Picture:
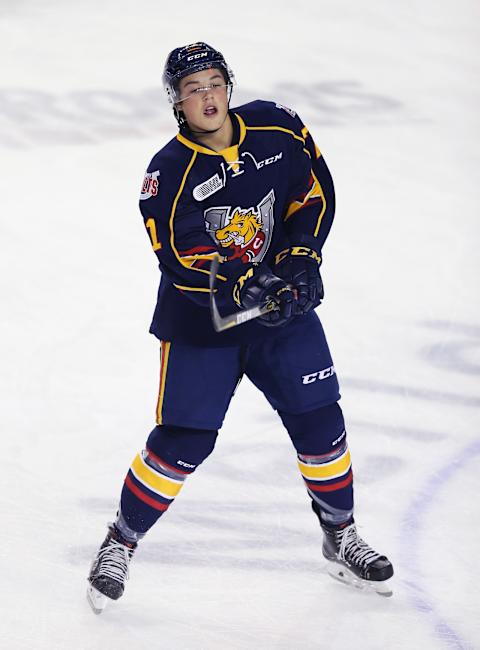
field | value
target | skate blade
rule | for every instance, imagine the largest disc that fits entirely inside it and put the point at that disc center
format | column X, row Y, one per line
column 342, row 574
column 96, row 600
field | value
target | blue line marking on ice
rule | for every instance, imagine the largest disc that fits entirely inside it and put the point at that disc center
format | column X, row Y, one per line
column 411, row 527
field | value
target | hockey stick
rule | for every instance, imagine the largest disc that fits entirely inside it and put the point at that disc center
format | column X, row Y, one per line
column 221, row 323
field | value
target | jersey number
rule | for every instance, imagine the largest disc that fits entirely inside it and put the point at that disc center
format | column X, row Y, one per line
column 152, row 231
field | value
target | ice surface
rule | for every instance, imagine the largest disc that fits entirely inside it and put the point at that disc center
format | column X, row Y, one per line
column 390, row 92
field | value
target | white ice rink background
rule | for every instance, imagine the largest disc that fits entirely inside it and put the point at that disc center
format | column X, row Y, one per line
column 390, row 92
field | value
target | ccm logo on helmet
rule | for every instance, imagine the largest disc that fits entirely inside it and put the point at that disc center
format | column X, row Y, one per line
column 320, row 374
column 197, row 56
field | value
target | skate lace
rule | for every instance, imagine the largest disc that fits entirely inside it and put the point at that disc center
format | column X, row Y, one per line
column 353, row 549
column 113, row 561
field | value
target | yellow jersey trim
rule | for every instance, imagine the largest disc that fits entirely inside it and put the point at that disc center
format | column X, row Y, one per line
column 191, row 259
column 243, row 129
column 196, row 147
column 276, row 128
column 305, row 132
column 316, row 191
column 230, row 155
column 201, row 289
column 164, row 354
column 324, row 205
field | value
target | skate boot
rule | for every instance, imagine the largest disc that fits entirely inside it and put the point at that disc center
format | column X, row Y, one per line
column 353, row 561
column 109, row 570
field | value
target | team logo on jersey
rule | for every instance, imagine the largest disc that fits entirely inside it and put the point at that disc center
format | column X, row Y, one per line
column 242, row 233
column 150, row 185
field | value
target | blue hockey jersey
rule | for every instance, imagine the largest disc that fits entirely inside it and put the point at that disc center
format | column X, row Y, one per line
column 250, row 202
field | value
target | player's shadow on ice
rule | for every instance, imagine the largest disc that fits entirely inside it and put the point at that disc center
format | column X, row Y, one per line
column 457, row 348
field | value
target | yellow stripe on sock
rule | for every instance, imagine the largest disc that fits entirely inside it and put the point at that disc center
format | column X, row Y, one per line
column 328, row 470
column 166, row 487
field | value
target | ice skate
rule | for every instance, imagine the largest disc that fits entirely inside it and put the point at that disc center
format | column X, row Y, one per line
column 354, row 562
column 109, row 570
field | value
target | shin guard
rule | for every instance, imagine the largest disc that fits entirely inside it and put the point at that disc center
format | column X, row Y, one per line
column 157, row 475
column 324, row 461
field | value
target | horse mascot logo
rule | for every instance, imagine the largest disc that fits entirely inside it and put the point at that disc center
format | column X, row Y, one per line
column 242, row 233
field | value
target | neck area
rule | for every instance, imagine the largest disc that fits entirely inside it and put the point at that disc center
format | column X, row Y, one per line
column 218, row 140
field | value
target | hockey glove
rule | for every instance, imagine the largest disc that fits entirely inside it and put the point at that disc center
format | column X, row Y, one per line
column 265, row 288
column 300, row 269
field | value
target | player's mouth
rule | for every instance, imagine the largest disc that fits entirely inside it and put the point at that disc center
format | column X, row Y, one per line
column 210, row 111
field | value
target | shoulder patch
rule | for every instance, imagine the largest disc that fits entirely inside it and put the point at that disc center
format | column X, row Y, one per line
column 286, row 109
column 149, row 185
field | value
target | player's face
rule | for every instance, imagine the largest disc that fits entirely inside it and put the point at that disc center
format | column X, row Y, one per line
column 204, row 99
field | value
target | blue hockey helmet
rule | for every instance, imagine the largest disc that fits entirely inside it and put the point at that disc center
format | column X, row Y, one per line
column 186, row 60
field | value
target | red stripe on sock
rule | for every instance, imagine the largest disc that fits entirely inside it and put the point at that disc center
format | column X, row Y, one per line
column 144, row 497
column 333, row 486
column 162, row 462
column 301, row 457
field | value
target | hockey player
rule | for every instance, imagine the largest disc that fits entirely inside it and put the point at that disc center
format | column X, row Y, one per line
column 248, row 184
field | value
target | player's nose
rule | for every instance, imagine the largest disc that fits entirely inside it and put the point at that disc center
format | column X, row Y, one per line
column 207, row 93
